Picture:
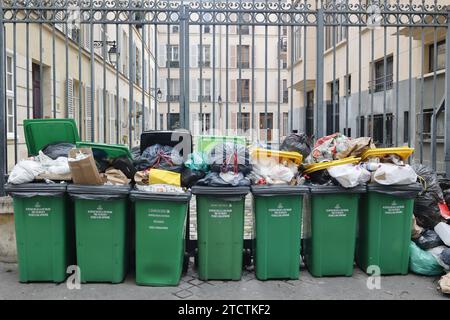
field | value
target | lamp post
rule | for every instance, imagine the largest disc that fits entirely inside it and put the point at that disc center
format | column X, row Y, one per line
column 113, row 52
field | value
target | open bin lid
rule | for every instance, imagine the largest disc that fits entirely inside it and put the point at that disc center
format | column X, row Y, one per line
column 409, row 191
column 310, row 168
column 317, row 189
column 166, row 196
column 207, row 143
column 28, row 190
column 183, row 138
column 295, row 157
column 220, row 191
column 112, row 150
column 103, row 192
column 403, row 152
column 273, row 190
column 41, row 132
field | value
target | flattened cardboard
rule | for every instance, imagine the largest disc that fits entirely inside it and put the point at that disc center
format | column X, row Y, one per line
column 84, row 171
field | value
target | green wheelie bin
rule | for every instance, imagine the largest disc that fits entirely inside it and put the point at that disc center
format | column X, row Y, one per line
column 44, row 231
column 220, row 229
column 385, row 228
column 277, row 212
column 330, row 230
column 160, row 227
column 101, row 228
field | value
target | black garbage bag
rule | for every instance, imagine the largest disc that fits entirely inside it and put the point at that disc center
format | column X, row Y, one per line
column 56, row 150
column 190, row 177
column 444, row 184
column 213, row 179
column 322, row 177
column 298, row 142
column 445, row 256
column 125, row 165
column 230, row 157
column 428, row 239
column 159, row 157
column 426, row 209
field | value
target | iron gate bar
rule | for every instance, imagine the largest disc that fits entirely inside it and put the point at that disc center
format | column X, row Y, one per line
column 3, row 122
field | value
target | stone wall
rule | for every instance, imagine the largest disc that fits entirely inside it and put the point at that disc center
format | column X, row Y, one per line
column 8, row 252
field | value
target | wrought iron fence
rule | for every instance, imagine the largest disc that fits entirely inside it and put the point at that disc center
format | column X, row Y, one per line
column 255, row 68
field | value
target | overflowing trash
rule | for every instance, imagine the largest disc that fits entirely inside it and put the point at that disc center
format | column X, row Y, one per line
column 297, row 142
column 423, row 262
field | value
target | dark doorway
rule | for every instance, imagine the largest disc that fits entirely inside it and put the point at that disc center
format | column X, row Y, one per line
column 36, row 77
column 173, row 121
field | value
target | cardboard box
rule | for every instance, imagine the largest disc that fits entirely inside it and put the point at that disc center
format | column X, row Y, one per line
column 84, row 171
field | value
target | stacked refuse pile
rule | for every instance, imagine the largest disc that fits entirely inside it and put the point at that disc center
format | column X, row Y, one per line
column 229, row 165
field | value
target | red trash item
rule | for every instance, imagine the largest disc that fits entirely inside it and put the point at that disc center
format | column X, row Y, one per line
column 445, row 212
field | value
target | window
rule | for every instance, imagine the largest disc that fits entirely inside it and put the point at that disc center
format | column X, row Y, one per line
column 243, row 86
column 173, row 121
column 339, row 31
column 406, row 126
column 285, row 91
column 285, row 31
column 206, row 52
column 378, row 129
column 173, row 90
column 310, row 113
column 175, row 29
column 362, row 127
column 206, row 29
column 348, row 81
column 348, row 132
column 244, row 121
column 244, row 30
column 9, row 73
column 10, row 115
column 205, row 95
column 173, row 56
column 440, row 62
column 283, row 44
column 379, row 79
column 297, row 43
column 333, row 109
column 285, row 123
column 206, row 122
column 161, row 121
column 244, row 52
column 284, row 62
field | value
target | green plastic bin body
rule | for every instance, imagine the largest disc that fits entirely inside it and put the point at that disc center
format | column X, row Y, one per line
column 44, row 231
column 41, row 132
column 278, row 216
column 220, row 231
column 331, row 235
column 160, row 236
column 385, row 228
column 101, row 228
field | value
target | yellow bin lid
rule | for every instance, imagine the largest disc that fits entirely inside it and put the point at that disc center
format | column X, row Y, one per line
column 295, row 157
column 310, row 168
column 402, row 152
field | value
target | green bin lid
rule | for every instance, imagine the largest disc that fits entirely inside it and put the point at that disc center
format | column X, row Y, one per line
column 220, row 191
column 29, row 190
column 273, row 190
column 409, row 191
column 112, row 150
column 41, row 132
column 318, row 189
column 160, row 196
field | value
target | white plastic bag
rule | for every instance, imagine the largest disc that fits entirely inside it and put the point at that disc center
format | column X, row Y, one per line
column 25, row 171
column 443, row 231
column 436, row 252
column 391, row 174
column 349, row 175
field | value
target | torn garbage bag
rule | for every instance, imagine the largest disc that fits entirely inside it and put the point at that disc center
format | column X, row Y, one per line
column 159, row 157
column 25, row 171
column 423, row 262
column 443, row 231
column 214, row 179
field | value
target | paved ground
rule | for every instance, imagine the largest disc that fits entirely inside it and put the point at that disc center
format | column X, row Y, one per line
column 393, row 287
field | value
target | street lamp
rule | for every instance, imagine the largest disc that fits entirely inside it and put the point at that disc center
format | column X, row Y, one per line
column 113, row 52
column 158, row 93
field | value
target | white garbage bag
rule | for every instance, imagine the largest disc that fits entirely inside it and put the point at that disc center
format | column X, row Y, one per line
column 58, row 166
column 25, row 171
column 391, row 174
column 349, row 175
column 443, row 231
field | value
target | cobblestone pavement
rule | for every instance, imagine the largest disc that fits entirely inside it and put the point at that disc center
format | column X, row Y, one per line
column 191, row 288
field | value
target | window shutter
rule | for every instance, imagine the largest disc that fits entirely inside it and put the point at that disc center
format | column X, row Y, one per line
column 162, row 55
column 69, row 97
column 60, row 26
column 163, row 87
column 194, row 56
column 233, row 58
column 193, row 83
column 101, row 118
column 233, row 94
